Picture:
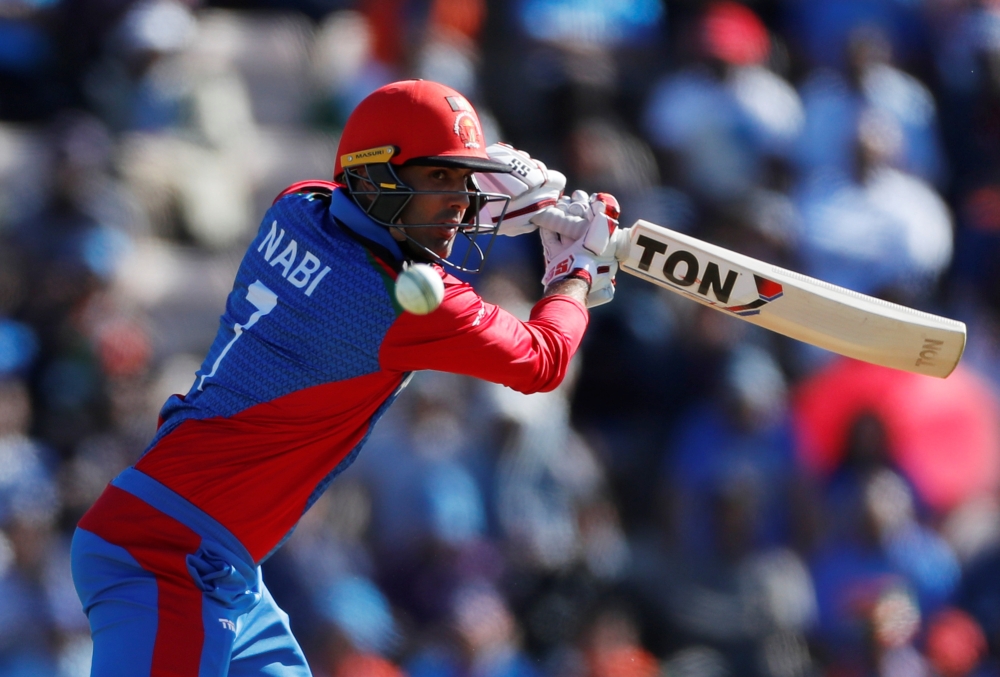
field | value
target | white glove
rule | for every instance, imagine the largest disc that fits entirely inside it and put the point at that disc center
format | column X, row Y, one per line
column 531, row 186
column 591, row 251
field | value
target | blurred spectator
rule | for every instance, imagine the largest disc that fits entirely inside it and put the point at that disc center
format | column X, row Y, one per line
column 881, row 560
column 970, row 88
column 360, row 631
column 137, row 86
column 895, row 622
column 742, row 431
column 429, row 509
column 542, row 476
column 955, row 644
column 943, row 435
column 186, row 109
column 612, row 647
column 719, row 118
column 875, row 229
column 979, row 596
column 70, row 251
column 343, row 66
column 487, row 646
column 26, row 466
column 751, row 604
column 327, row 552
column 835, row 104
column 820, row 29
column 28, row 62
column 449, row 52
column 40, row 611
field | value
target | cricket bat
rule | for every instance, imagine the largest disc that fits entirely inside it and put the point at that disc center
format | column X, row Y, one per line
column 803, row 308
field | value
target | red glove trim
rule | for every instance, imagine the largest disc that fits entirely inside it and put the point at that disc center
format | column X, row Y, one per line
column 580, row 274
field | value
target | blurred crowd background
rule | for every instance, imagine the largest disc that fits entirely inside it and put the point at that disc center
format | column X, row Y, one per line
column 700, row 498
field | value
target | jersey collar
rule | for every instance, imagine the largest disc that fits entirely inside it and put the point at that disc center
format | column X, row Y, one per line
column 343, row 208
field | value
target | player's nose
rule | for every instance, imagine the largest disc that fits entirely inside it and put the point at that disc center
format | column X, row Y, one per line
column 459, row 199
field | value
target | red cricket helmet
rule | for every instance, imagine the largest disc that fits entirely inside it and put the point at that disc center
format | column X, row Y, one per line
column 415, row 122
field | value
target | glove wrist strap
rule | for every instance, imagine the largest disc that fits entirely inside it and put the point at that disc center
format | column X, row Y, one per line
column 580, row 274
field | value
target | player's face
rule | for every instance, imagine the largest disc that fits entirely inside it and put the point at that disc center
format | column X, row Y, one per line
column 446, row 207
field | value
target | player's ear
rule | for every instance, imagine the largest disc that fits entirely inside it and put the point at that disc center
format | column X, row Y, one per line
column 360, row 179
column 362, row 188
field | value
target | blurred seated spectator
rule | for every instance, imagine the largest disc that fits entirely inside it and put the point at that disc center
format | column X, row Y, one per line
column 486, row 642
column 29, row 506
column 343, row 66
column 979, row 596
column 968, row 70
column 743, row 430
column 955, row 645
column 874, row 228
column 29, row 60
column 943, row 435
column 70, row 250
column 750, row 604
column 169, row 88
column 717, row 119
column 611, row 646
column 834, row 104
column 880, row 548
column 819, row 29
column 448, row 51
column 360, row 631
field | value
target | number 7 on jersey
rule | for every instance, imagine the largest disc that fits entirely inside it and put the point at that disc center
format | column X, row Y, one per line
column 261, row 298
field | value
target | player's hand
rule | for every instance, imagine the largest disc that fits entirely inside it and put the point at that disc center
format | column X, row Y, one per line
column 531, row 186
column 594, row 218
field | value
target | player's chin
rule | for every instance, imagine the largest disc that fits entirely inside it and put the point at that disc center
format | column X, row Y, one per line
column 432, row 249
column 444, row 248
column 442, row 241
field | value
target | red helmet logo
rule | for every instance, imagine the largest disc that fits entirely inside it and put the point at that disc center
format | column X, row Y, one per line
column 467, row 130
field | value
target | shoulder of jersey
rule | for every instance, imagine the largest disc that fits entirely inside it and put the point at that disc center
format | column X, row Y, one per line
column 324, row 189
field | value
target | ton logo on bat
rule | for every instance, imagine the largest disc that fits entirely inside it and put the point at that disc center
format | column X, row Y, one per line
column 712, row 279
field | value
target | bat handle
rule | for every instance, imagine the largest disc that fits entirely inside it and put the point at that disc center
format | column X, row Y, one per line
column 621, row 240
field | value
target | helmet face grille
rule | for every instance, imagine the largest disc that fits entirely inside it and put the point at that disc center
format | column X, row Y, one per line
column 383, row 197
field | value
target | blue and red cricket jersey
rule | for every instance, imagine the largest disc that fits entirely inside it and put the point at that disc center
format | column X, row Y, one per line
column 311, row 350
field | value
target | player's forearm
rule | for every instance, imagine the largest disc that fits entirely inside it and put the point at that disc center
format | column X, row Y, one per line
column 572, row 287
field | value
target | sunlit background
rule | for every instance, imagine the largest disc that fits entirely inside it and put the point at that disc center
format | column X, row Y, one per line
column 701, row 498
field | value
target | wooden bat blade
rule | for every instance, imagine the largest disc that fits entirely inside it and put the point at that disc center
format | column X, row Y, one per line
column 803, row 308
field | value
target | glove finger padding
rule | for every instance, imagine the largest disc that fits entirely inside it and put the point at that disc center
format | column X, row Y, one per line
column 557, row 218
column 590, row 218
column 553, row 244
column 601, row 227
column 531, row 186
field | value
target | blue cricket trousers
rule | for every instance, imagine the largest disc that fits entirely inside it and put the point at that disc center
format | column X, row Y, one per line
column 169, row 592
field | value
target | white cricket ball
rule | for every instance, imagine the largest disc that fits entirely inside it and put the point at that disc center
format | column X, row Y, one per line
column 419, row 289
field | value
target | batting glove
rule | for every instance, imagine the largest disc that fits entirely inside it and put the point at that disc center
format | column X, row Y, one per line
column 584, row 244
column 531, row 186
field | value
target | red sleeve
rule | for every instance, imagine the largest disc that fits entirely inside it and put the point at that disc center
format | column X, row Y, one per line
column 466, row 335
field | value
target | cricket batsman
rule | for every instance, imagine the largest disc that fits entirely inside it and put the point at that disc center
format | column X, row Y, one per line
column 311, row 350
